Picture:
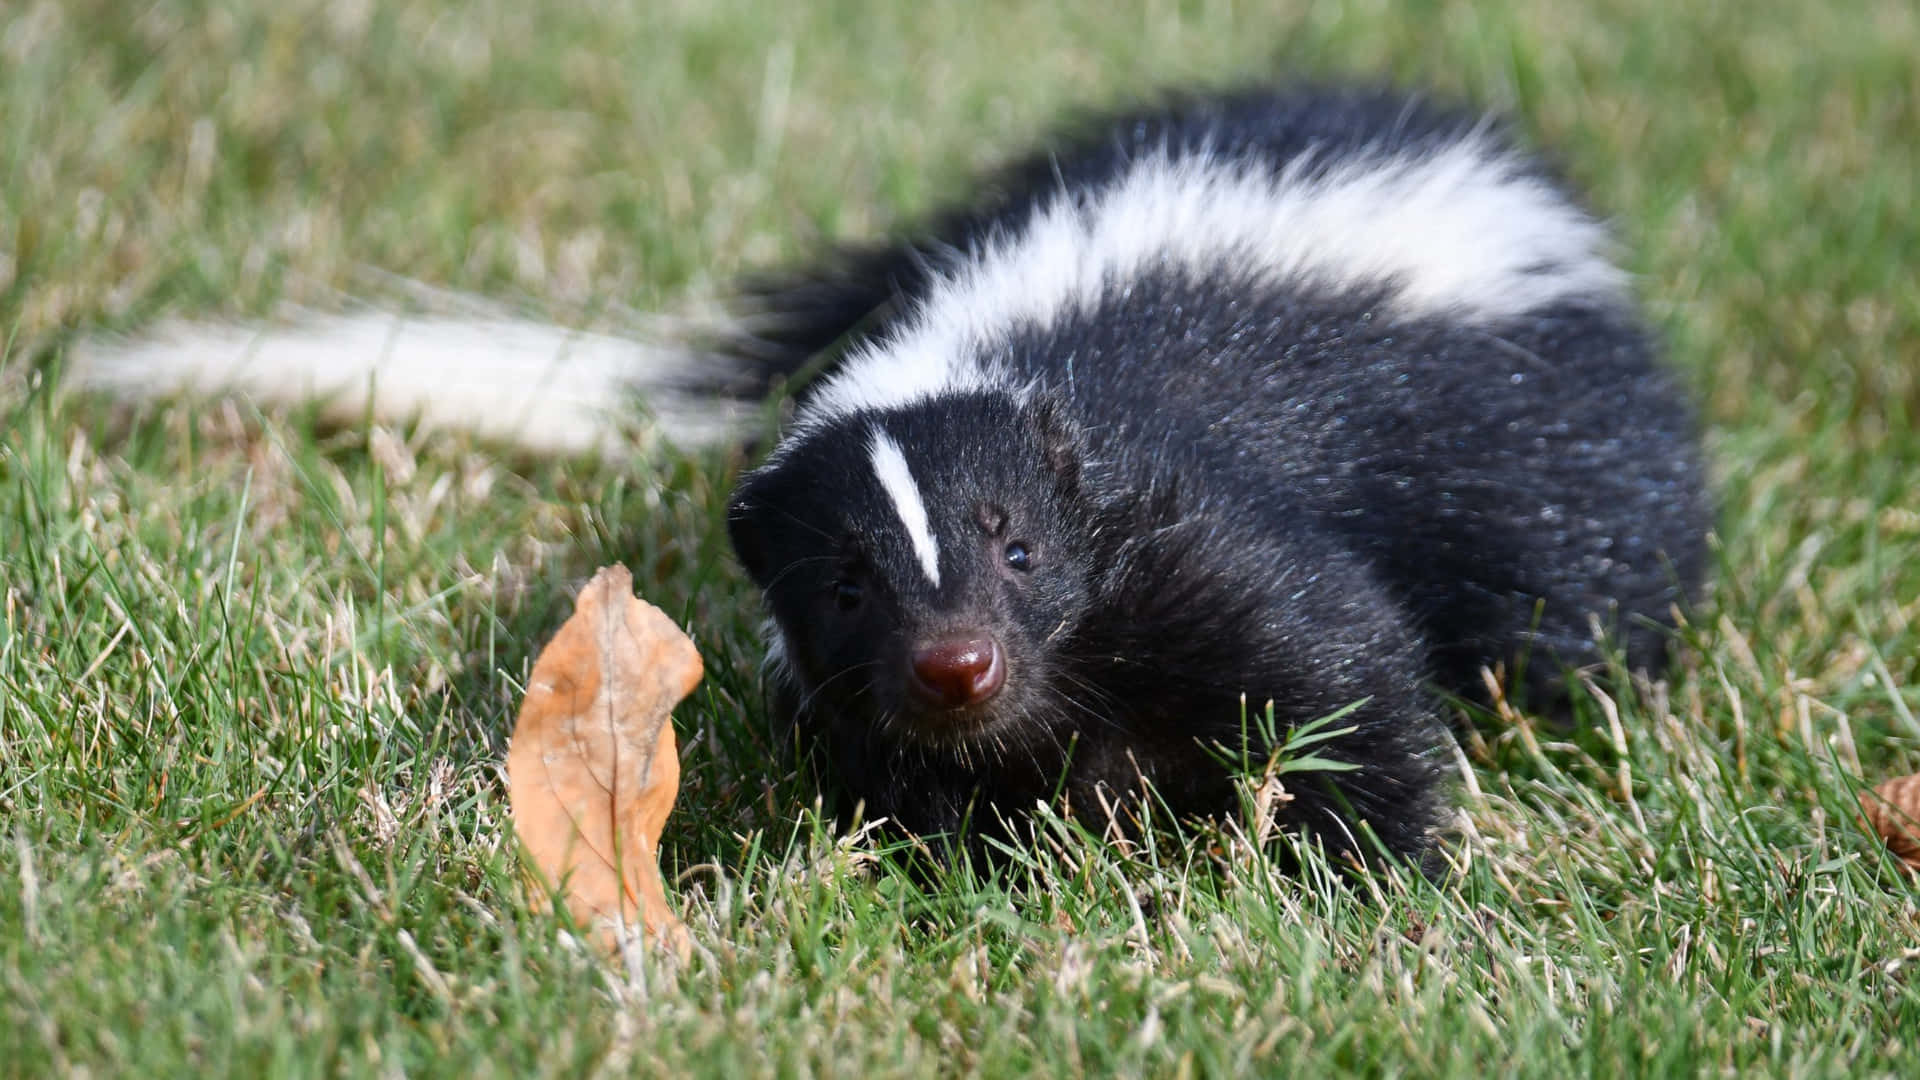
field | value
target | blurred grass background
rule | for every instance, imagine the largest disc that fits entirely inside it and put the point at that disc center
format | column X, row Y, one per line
column 256, row 673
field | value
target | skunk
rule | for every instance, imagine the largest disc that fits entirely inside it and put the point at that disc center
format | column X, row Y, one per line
column 1302, row 400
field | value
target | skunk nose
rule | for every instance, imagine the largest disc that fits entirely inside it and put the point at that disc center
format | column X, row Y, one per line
column 959, row 672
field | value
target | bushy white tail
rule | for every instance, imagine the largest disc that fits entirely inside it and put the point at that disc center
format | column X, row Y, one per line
column 538, row 386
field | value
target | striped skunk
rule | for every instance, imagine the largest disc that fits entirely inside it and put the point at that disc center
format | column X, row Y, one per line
column 1327, row 399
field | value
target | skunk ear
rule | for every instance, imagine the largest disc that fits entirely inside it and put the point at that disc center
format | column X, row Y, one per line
column 1059, row 442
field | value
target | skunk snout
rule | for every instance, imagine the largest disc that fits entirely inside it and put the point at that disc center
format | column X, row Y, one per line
column 958, row 672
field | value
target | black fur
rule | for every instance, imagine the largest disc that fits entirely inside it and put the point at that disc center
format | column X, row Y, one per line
column 1229, row 488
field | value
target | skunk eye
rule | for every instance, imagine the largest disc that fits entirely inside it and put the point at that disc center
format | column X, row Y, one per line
column 1019, row 557
column 846, row 594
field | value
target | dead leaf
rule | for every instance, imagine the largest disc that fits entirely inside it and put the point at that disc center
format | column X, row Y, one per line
column 593, row 769
column 1892, row 810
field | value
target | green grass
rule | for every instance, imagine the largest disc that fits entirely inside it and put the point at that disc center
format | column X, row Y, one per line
column 256, row 675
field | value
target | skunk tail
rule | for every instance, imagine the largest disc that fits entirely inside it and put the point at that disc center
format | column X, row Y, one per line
column 545, row 388
column 541, row 387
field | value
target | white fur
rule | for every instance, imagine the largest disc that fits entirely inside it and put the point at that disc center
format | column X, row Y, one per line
column 776, row 666
column 890, row 465
column 1461, row 232
column 545, row 388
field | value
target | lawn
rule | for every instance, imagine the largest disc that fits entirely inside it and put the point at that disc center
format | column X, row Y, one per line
column 257, row 672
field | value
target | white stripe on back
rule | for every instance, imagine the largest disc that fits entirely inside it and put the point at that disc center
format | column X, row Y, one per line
column 1463, row 231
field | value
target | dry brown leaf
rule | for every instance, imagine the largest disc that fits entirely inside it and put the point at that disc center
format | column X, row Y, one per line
column 593, row 770
column 1893, row 811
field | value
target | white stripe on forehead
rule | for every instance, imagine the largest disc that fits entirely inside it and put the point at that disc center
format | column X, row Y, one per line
column 890, row 465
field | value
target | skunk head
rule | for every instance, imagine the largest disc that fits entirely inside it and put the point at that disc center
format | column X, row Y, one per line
column 919, row 562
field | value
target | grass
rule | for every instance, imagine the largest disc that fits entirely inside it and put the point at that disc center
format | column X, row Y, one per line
column 256, row 674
